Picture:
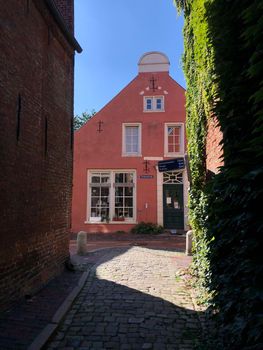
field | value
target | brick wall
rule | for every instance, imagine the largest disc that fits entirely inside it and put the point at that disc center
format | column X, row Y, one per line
column 36, row 107
column 213, row 148
column 66, row 8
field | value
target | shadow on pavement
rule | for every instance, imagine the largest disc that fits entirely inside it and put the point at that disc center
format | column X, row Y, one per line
column 110, row 315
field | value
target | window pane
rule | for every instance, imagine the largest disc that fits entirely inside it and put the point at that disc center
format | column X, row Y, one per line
column 158, row 103
column 128, row 191
column 131, row 139
column 170, row 148
column 95, row 191
column 105, row 191
column 104, row 201
column 148, row 103
column 170, row 130
column 105, row 178
column 105, row 212
column 176, row 148
column 119, row 177
column 95, row 179
column 173, row 139
column 119, row 191
column 128, row 202
column 124, row 195
column 95, row 201
column 100, row 178
column 100, row 196
column 128, row 177
column 119, row 201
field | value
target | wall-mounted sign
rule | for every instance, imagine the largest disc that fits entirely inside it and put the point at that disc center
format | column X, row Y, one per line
column 146, row 176
column 171, row 164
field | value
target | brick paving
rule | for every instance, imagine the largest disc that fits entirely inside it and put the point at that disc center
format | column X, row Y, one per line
column 25, row 320
column 22, row 323
column 133, row 299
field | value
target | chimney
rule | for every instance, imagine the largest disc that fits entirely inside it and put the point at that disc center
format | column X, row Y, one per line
column 66, row 9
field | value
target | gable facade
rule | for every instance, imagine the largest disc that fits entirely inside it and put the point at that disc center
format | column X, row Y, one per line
column 116, row 181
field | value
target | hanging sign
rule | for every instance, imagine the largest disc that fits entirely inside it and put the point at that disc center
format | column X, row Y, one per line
column 171, row 164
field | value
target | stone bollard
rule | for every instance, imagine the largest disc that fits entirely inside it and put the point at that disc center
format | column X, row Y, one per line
column 189, row 238
column 82, row 243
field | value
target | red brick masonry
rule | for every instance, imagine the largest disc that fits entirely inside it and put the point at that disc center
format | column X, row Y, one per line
column 36, row 96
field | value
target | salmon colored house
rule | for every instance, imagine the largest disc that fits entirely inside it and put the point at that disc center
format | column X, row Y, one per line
column 116, row 179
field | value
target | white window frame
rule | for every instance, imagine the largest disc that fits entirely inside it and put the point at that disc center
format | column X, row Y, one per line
column 181, row 151
column 112, row 196
column 131, row 154
column 154, row 104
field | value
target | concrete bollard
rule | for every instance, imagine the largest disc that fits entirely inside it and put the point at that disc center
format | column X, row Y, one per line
column 189, row 239
column 82, row 243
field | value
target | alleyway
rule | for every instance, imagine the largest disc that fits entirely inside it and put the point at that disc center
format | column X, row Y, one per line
column 133, row 299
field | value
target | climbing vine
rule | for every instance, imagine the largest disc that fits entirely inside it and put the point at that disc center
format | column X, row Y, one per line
column 223, row 64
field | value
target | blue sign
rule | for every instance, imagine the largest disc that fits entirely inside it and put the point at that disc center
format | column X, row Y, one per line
column 146, row 176
column 171, row 164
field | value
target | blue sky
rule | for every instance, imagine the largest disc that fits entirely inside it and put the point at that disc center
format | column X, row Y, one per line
column 114, row 35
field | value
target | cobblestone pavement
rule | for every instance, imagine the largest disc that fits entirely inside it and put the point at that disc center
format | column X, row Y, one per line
column 133, row 299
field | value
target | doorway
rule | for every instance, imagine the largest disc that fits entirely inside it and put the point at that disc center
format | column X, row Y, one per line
column 173, row 206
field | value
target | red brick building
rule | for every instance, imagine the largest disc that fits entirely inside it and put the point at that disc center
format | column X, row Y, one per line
column 36, row 110
column 117, row 182
column 214, row 152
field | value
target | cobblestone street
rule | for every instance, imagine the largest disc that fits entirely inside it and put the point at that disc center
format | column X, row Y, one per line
column 133, row 299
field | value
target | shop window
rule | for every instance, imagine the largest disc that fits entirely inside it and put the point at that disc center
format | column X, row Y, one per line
column 111, row 196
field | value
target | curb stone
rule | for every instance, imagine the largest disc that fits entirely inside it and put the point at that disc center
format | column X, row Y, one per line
column 47, row 332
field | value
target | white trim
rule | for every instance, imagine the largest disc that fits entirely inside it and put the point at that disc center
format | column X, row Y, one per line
column 112, row 196
column 153, row 158
column 185, row 193
column 174, row 154
column 159, row 184
column 160, row 198
column 124, row 153
column 154, row 109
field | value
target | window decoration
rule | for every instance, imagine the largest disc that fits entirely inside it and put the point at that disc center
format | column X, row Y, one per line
column 173, row 177
column 152, row 81
column 111, row 196
column 146, row 168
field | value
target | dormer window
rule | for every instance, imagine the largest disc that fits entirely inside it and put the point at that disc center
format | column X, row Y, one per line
column 153, row 104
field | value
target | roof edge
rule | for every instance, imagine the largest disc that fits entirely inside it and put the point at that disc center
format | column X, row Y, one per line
column 61, row 23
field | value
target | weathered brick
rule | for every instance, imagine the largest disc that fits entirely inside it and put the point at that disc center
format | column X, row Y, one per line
column 36, row 108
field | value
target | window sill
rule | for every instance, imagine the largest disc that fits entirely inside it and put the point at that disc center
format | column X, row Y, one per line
column 131, row 155
column 153, row 110
column 110, row 223
column 169, row 155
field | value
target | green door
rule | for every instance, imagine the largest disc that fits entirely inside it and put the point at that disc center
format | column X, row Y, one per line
column 173, row 206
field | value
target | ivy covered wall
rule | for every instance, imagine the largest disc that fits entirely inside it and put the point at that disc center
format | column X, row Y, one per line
column 224, row 70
